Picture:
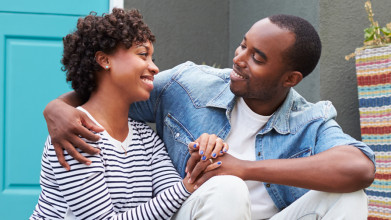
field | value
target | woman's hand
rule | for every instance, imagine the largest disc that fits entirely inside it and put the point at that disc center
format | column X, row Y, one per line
column 208, row 146
column 66, row 126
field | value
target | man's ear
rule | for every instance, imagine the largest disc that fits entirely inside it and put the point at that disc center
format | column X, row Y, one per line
column 293, row 78
column 103, row 60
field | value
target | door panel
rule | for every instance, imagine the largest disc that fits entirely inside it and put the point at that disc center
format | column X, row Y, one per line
column 30, row 76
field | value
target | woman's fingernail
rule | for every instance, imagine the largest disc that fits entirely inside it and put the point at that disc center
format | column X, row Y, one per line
column 225, row 149
column 218, row 163
column 195, row 145
column 221, row 152
column 203, row 158
column 201, row 152
column 214, row 155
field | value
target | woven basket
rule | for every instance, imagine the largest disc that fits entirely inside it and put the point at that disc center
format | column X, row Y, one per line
column 373, row 67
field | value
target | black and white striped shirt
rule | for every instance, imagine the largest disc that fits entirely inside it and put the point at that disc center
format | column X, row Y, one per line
column 134, row 182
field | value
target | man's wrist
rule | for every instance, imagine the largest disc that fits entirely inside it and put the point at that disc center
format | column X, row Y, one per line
column 244, row 169
column 70, row 98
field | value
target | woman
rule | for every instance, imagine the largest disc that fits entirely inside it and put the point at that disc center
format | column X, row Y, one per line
column 109, row 61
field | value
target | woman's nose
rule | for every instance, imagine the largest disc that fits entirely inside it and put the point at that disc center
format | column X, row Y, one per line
column 153, row 68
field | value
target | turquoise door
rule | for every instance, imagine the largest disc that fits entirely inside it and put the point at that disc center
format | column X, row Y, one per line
column 30, row 76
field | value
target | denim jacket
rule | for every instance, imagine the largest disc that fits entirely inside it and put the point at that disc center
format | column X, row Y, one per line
column 189, row 100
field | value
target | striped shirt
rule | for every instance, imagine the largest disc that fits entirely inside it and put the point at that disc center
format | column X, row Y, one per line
column 134, row 179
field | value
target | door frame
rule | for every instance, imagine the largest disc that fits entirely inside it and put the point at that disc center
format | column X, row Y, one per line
column 116, row 4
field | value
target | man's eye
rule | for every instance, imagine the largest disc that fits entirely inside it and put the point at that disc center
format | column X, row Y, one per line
column 143, row 54
column 257, row 59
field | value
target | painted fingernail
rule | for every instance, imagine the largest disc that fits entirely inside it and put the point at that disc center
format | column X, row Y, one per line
column 201, row 152
column 214, row 155
column 221, row 152
column 195, row 145
column 203, row 158
column 225, row 149
column 218, row 163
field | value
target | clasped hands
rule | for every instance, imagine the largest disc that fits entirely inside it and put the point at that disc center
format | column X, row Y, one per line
column 204, row 157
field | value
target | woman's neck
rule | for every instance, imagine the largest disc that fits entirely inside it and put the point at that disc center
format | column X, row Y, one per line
column 111, row 111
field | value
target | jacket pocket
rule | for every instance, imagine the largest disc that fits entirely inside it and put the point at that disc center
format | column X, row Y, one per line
column 303, row 153
column 178, row 130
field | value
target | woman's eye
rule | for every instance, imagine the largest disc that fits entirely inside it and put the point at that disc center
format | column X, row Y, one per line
column 242, row 46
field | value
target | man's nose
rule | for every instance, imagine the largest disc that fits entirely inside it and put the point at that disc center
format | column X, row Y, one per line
column 239, row 58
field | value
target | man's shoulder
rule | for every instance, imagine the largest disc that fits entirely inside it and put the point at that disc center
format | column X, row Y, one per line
column 193, row 72
column 303, row 112
column 200, row 82
column 321, row 109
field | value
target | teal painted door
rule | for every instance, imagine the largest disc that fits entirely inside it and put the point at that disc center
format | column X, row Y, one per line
column 30, row 76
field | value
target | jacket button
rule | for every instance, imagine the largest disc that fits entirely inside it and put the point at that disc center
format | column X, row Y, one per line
column 176, row 135
column 268, row 185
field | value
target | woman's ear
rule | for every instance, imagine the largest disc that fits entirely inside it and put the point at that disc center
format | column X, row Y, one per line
column 103, row 60
column 293, row 78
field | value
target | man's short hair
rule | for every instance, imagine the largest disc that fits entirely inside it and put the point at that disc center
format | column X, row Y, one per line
column 304, row 54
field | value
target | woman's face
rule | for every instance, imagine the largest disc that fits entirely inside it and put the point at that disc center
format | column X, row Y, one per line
column 132, row 70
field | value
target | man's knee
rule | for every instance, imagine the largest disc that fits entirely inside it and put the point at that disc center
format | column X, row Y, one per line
column 229, row 189
column 228, row 186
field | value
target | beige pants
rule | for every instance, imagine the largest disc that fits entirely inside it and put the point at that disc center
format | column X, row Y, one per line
column 221, row 197
column 226, row 198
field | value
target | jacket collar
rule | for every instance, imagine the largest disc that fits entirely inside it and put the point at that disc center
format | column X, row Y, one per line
column 224, row 99
column 280, row 118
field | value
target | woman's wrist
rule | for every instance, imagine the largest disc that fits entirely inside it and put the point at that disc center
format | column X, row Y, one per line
column 188, row 186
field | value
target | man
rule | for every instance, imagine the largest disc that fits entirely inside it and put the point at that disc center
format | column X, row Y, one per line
column 281, row 145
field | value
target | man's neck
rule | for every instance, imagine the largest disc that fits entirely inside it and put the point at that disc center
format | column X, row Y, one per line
column 263, row 107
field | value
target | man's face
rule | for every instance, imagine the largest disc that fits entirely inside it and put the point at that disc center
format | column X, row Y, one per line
column 259, row 67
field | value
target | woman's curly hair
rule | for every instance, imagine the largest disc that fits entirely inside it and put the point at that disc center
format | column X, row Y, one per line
column 99, row 33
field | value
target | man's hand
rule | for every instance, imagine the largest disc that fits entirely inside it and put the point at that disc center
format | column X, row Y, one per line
column 66, row 126
column 229, row 165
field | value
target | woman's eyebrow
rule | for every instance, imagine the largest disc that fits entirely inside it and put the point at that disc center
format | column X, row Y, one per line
column 142, row 45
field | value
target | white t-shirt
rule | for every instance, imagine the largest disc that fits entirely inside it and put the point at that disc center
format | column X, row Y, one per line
column 245, row 124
